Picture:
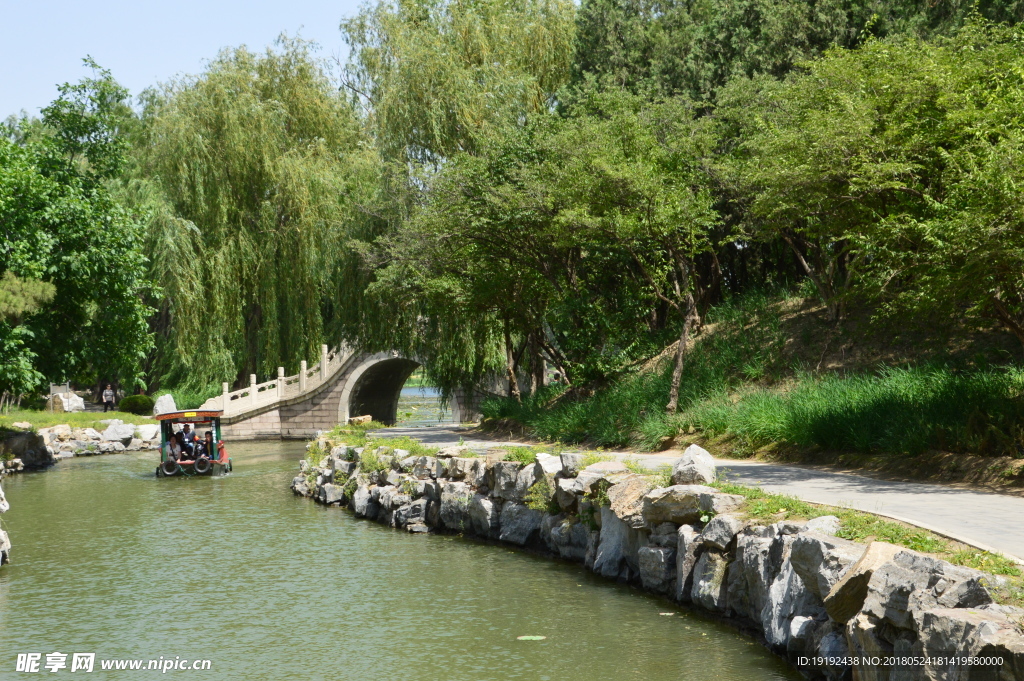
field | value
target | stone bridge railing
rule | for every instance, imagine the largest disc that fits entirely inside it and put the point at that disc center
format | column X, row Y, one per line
column 259, row 395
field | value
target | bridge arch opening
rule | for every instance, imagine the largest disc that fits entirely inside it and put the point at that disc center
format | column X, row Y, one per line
column 377, row 388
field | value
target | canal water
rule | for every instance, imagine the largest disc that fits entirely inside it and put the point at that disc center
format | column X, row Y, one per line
column 110, row 560
column 419, row 407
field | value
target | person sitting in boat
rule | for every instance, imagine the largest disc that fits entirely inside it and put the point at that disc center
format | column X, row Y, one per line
column 199, row 449
column 211, row 446
column 187, row 438
column 173, row 449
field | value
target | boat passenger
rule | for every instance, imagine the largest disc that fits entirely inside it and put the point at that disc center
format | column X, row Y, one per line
column 172, row 448
column 211, row 446
column 188, row 438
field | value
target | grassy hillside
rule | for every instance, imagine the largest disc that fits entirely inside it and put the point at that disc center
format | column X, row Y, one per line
column 768, row 375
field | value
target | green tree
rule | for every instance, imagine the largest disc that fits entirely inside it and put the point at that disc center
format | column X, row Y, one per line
column 254, row 175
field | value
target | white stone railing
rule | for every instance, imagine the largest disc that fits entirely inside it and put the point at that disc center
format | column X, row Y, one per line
column 258, row 395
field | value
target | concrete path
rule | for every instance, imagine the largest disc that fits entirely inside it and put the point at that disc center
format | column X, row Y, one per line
column 987, row 520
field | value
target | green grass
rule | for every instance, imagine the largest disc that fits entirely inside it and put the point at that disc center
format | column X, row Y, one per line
column 896, row 410
column 747, row 345
column 77, row 419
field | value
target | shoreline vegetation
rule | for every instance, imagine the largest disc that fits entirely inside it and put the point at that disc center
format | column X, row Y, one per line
column 770, row 377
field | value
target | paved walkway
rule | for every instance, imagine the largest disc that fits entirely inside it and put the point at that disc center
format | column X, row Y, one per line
column 983, row 519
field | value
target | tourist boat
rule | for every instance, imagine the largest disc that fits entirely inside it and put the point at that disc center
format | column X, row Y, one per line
column 218, row 463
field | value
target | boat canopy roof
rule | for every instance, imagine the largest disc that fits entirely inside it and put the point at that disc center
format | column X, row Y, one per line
column 198, row 416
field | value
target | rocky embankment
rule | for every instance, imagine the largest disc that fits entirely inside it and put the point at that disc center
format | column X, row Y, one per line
column 39, row 449
column 837, row 609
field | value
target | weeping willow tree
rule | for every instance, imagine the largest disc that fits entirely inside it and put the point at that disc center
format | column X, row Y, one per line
column 252, row 175
column 437, row 79
column 441, row 76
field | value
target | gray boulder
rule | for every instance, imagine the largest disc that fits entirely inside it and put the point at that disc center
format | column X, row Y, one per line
column 709, row 586
column 505, row 475
column 687, row 543
column 787, row 599
column 331, row 494
column 551, row 465
column 626, row 499
column 564, row 538
column 29, row 448
column 526, row 477
column 695, row 467
column 361, row 502
column 682, row 504
column 5, row 548
column 825, row 524
column 571, row 464
column 565, row 494
column 484, row 515
column 147, row 431
column 846, row 598
column 720, row 532
column 93, row 434
column 519, row 523
column 615, row 555
column 657, row 568
column 122, row 433
column 455, row 500
column 424, row 467
column 300, row 485
column 4, row 506
column 164, row 405
column 975, row 632
column 820, row 560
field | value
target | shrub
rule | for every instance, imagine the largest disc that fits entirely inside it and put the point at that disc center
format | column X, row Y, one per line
column 137, row 404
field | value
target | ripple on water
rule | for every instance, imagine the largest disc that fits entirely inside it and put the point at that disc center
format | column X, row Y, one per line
column 110, row 560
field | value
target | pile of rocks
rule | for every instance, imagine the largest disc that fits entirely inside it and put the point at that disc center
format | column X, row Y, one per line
column 826, row 603
column 32, row 450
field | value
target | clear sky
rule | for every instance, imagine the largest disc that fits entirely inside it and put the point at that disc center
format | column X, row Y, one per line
column 143, row 42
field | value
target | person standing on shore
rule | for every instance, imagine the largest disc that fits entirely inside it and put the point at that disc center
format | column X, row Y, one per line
column 108, row 399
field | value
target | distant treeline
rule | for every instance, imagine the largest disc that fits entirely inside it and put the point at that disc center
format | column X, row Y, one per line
column 501, row 186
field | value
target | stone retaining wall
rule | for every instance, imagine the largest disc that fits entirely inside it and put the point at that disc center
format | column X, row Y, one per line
column 835, row 608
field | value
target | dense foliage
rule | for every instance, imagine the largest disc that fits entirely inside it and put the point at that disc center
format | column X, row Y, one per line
column 71, row 302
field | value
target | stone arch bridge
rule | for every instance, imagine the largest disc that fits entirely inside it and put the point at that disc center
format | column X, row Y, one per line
column 344, row 383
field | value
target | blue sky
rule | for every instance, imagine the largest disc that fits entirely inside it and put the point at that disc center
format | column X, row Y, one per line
column 144, row 41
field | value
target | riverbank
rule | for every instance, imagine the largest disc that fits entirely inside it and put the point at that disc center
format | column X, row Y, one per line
column 809, row 593
column 25, row 448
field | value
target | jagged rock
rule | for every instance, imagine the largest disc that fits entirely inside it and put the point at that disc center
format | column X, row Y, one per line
column 164, row 405
column 846, row 598
column 687, row 543
column 551, row 464
column 359, row 420
column 341, row 452
column 361, row 498
column 720, row 532
column 147, row 431
column 300, row 485
column 709, row 585
column 787, row 598
column 695, row 467
column 413, row 513
column 454, row 468
column 424, row 467
column 571, row 464
column 865, row 640
column 685, row 503
column 911, row 582
column 392, row 478
column 135, row 445
column 484, row 515
column 449, row 452
column 606, row 468
column 5, row 548
column 455, row 498
column 4, row 506
column 616, row 553
column 479, row 475
column 564, row 538
column 332, row 494
column 29, row 448
column 60, row 432
column 24, row 425
column 519, row 523
column 392, row 498
column 657, row 568
column 967, row 633
column 122, row 433
column 820, row 560
column 789, row 527
column 664, row 534
column 505, row 474
column 431, row 490
column 406, row 463
column 626, row 499
column 565, row 494
column 825, row 524
column 526, row 477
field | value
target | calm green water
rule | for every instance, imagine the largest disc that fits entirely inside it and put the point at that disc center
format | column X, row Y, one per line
column 110, row 560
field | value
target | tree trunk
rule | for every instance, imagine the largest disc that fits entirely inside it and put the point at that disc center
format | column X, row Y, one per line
column 677, row 370
column 510, row 361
